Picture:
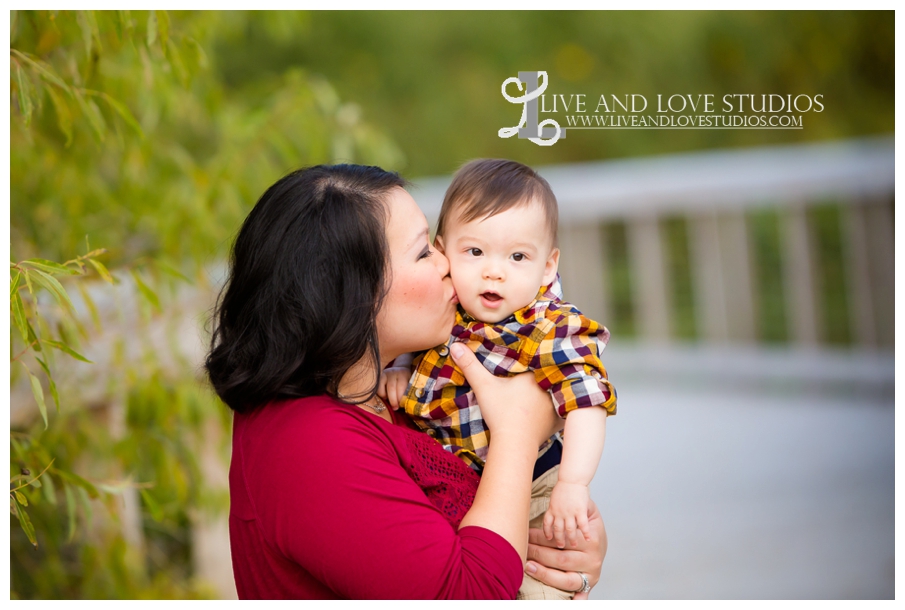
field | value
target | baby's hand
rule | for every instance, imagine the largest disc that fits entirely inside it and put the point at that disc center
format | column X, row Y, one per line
column 393, row 383
column 568, row 514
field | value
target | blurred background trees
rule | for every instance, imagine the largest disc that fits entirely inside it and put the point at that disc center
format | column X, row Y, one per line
column 151, row 134
column 432, row 79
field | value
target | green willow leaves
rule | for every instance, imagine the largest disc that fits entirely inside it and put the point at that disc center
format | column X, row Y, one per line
column 124, row 129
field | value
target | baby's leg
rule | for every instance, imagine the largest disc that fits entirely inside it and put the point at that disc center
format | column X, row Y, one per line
column 540, row 501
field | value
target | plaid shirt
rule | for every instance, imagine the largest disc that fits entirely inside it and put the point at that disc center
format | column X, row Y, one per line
column 549, row 337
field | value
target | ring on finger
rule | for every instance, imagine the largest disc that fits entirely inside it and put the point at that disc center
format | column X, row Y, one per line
column 585, row 584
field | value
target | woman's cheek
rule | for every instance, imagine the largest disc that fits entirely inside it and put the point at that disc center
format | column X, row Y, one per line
column 428, row 288
column 427, row 299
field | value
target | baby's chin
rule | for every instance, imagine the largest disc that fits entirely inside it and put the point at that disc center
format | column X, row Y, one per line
column 486, row 316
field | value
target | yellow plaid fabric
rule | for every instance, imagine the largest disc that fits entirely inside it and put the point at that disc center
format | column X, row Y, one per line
column 549, row 337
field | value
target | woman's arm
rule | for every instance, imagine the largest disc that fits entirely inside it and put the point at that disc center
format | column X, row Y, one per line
column 519, row 416
column 501, row 503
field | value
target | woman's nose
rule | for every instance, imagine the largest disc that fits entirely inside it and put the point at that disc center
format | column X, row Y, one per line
column 441, row 262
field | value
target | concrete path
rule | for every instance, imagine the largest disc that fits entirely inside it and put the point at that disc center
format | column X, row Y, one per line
column 741, row 493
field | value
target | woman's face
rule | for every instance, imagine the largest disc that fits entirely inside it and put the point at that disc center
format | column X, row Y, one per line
column 419, row 310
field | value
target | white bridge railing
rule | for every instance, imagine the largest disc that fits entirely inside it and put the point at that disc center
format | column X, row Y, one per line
column 712, row 191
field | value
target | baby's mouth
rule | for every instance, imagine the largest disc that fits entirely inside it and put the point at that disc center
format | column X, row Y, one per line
column 490, row 299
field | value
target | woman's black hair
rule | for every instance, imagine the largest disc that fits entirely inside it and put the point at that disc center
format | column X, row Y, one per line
column 308, row 273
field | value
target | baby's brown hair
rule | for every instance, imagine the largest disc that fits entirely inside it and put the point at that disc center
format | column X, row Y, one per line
column 485, row 187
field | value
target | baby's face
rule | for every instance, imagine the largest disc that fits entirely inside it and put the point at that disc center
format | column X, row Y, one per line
column 497, row 264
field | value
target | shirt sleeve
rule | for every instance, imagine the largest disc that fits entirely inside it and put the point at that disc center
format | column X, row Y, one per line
column 345, row 509
column 567, row 364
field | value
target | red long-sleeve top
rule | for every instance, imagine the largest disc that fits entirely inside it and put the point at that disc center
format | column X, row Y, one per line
column 328, row 501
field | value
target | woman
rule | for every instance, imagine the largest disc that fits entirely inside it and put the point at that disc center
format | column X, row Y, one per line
column 332, row 495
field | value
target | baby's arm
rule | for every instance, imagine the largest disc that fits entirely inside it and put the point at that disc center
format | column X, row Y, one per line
column 395, row 380
column 583, row 439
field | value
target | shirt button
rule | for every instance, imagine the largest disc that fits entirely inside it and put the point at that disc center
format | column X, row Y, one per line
column 419, row 392
column 443, row 351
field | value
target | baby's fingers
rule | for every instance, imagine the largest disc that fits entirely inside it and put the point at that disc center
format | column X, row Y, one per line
column 571, row 531
column 559, row 532
column 548, row 525
column 394, row 392
column 382, row 386
column 583, row 526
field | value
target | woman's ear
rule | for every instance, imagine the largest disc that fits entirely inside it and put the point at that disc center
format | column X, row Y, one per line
column 551, row 267
column 438, row 244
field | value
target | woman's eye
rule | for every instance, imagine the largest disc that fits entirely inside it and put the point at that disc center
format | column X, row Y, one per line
column 518, row 257
column 427, row 253
column 475, row 251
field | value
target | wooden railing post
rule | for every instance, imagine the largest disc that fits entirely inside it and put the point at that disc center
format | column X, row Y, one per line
column 583, row 269
column 798, row 272
column 651, row 285
column 882, row 252
column 707, row 275
column 737, row 276
column 856, row 258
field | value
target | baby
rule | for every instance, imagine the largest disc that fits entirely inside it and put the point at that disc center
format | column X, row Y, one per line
column 498, row 228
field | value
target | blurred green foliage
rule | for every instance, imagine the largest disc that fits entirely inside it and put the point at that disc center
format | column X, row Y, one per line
column 123, row 134
column 622, row 321
column 678, row 268
column 433, row 78
column 175, row 181
column 767, row 248
column 826, row 225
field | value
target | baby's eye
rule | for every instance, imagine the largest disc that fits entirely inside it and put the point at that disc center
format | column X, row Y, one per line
column 518, row 257
column 475, row 251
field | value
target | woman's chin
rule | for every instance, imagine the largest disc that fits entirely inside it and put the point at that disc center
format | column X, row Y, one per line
column 442, row 339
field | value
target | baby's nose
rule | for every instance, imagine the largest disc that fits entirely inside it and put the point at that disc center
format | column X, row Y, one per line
column 493, row 271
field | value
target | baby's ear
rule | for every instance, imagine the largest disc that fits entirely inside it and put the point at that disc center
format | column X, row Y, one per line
column 438, row 244
column 551, row 267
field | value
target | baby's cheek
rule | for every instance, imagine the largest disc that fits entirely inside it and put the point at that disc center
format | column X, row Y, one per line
column 460, row 278
column 460, row 271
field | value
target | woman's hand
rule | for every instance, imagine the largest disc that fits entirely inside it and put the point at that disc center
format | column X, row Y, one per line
column 509, row 405
column 559, row 567
column 520, row 416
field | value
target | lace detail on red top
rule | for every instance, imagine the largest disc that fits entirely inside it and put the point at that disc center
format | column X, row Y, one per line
column 447, row 482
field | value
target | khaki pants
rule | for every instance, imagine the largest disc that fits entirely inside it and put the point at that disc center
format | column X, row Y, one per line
column 540, row 501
